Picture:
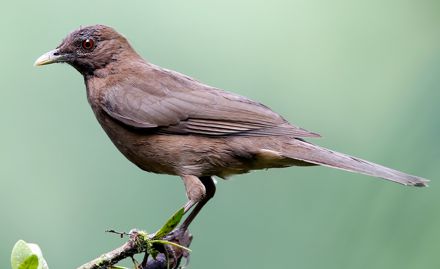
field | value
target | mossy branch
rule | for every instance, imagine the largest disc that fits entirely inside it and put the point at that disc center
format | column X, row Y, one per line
column 168, row 256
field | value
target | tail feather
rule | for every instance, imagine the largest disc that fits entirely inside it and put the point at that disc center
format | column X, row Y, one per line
column 304, row 151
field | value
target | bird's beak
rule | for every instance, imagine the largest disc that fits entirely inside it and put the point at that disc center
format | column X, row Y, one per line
column 53, row 56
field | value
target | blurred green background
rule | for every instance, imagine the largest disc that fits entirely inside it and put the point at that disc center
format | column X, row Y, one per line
column 364, row 74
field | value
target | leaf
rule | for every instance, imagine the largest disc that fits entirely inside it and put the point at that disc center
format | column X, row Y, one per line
column 170, row 224
column 30, row 263
column 20, row 252
column 27, row 256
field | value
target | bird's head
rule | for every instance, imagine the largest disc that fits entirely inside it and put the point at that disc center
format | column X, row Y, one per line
column 88, row 49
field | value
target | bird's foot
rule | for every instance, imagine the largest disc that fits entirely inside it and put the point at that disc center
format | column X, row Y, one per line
column 169, row 251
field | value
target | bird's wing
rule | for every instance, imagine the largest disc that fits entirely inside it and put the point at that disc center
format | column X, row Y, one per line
column 174, row 103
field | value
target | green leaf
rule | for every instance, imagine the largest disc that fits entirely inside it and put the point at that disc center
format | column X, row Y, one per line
column 170, row 224
column 27, row 256
column 30, row 263
column 20, row 252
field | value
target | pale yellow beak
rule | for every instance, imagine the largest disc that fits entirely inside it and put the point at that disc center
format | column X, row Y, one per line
column 50, row 57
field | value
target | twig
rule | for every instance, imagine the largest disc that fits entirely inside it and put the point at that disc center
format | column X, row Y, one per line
column 121, row 234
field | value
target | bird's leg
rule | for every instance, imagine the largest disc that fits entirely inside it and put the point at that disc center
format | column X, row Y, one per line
column 199, row 192
column 195, row 191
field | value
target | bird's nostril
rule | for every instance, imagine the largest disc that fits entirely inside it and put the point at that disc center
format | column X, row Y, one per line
column 56, row 53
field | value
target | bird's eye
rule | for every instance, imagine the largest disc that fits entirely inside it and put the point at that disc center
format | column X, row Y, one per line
column 88, row 44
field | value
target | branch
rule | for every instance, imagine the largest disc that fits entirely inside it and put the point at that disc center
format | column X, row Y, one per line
column 169, row 256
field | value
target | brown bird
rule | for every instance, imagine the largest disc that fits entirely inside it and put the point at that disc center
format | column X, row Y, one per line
column 169, row 123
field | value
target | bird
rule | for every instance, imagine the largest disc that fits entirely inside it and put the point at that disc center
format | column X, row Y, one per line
column 168, row 123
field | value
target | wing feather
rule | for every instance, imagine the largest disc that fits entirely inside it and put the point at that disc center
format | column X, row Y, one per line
column 174, row 103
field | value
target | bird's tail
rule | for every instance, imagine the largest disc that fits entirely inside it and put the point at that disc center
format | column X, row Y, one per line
column 307, row 152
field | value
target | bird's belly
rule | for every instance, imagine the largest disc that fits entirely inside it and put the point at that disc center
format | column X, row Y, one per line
column 181, row 155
